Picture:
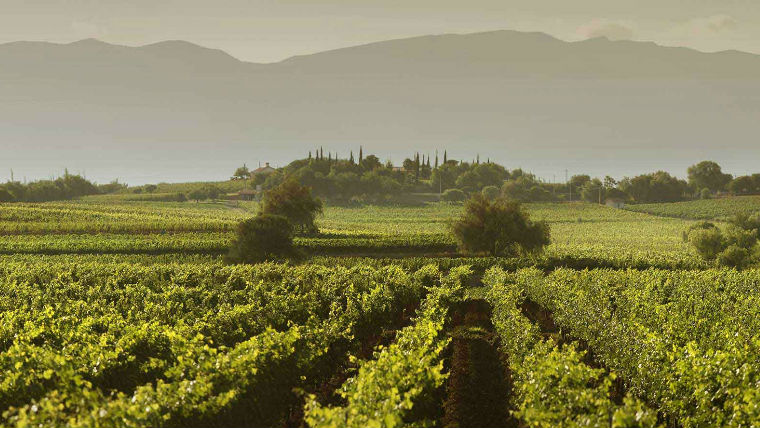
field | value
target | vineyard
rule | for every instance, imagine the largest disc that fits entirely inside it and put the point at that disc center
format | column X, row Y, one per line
column 704, row 209
column 119, row 312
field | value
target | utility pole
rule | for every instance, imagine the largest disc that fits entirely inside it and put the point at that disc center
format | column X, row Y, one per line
column 554, row 184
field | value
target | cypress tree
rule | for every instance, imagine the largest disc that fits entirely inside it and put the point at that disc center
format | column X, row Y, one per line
column 444, row 157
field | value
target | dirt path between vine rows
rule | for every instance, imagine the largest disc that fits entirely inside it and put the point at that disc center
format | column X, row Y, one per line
column 479, row 384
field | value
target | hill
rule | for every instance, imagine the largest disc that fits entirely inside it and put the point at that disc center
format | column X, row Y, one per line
column 177, row 111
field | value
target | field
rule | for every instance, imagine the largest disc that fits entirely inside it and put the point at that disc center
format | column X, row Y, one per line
column 120, row 312
column 704, row 209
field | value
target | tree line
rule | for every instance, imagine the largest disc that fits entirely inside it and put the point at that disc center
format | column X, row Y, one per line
column 367, row 179
column 68, row 186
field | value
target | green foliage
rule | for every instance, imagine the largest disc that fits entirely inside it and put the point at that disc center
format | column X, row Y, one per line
column 733, row 247
column 685, row 341
column 656, row 187
column 242, row 173
column 499, row 228
column 491, row 192
column 708, row 175
column 262, row 238
column 453, row 195
column 294, row 202
column 67, row 187
column 180, row 345
column 745, row 185
column 397, row 387
column 710, row 209
column 708, row 242
column 552, row 385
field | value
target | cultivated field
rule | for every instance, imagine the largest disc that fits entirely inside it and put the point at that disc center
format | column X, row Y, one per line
column 118, row 312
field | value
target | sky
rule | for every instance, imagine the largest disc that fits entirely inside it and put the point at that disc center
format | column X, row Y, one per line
column 269, row 31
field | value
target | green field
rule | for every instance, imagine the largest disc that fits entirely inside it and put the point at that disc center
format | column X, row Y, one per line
column 97, row 226
column 120, row 312
column 703, row 209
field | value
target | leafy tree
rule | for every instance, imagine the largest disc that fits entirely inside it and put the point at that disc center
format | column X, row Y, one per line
column 745, row 185
column 593, row 191
column 150, row 188
column 112, row 187
column 578, row 181
column 655, row 187
column 708, row 174
column 241, row 173
column 453, row 195
column 371, row 162
column 444, row 177
column 212, row 191
column 262, row 238
column 198, row 195
column 294, row 202
column 499, row 228
column 5, row 196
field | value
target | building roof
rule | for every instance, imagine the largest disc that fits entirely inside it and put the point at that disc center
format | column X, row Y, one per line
column 263, row 170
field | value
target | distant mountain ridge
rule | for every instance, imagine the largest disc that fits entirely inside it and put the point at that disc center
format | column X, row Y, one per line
column 174, row 110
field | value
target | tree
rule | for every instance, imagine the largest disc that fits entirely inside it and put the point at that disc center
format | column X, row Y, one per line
column 262, row 238
column 212, row 191
column 370, row 163
column 150, row 188
column 453, row 195
column 499, row 228
column 745, row 185
column 197, row 195
column 241, row 173
column 294, row 202
column 5, row 196
column 656, row 187
column 708, row 174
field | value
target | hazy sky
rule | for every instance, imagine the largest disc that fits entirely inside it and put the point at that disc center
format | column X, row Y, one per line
column 269, row 30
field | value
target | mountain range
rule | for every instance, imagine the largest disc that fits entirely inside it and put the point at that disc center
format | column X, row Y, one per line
column 175, row 111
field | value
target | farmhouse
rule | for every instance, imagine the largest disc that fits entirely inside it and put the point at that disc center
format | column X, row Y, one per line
column 263, row 170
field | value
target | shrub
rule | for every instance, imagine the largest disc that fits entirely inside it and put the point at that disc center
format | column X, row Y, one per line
column 734, row 256
column 702, row 225
column 453, row 195
column 742, row 238
column 294, row 202
column 707, row 242
column 500, row 228
column 491, row 192
column 747, row 222
column 262, row 238
column 705, row 194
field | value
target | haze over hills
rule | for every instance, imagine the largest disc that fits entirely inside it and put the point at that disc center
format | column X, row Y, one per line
column 175, row 111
